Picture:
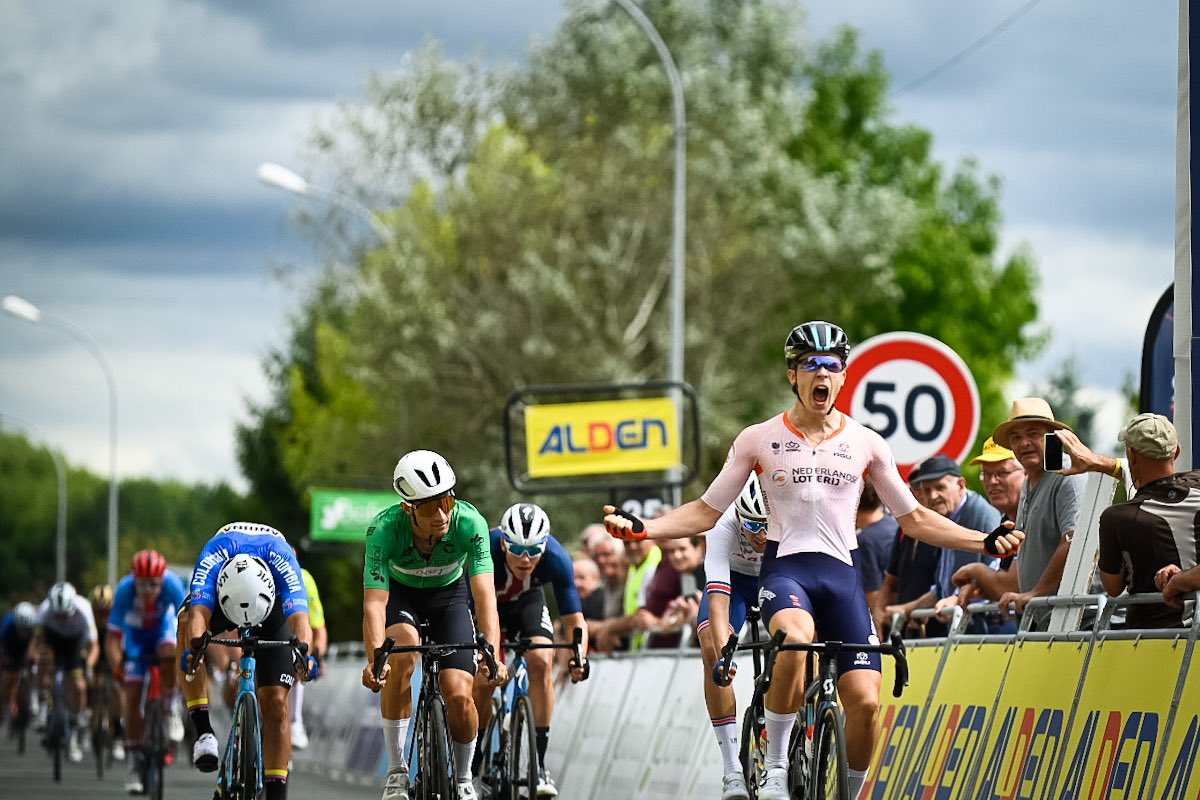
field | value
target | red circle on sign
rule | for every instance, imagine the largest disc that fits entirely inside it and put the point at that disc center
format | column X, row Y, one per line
column 927, row 351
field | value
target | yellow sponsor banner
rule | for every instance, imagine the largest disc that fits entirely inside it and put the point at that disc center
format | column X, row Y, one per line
column 602, row 437
column 899, row 718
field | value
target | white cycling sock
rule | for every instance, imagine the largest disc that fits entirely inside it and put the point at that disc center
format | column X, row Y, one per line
column 297, row 694
column 858, row 779
column 395, row 732
column 727, row 740
column 463, row 753
column 779, row 733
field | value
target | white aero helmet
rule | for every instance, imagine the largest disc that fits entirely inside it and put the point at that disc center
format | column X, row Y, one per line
column 245, row 590
column 62, row 598
column 25, row 615
column 422, row 474
column 750, row 503
column 525, row 524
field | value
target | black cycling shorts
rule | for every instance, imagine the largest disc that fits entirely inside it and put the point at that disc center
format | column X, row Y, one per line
column 12, row 651
column 67, row 650
column 525, row 616
column 446, row 612
column 273, row 666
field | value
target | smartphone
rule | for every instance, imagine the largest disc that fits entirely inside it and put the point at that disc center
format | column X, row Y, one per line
column 1052, row 461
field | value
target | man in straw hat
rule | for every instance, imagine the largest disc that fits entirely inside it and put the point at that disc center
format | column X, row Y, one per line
column 1150, row 542
column 1048, row 508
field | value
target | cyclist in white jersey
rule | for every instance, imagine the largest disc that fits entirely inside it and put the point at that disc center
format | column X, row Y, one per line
column 66, row 626
column 811, row 461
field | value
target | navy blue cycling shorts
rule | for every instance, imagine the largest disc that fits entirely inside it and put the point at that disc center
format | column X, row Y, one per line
column 743, row 589
column 828, row 589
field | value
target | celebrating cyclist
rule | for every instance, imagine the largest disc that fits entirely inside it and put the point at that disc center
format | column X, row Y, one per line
column 141, row 628
column 526, row 557
column 65, row 625
column 16, row 632
column 811, row 460
column 419, row 555
column 731, row 566
column 247, row 577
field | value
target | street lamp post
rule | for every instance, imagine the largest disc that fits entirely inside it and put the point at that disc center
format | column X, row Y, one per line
column 283, row 178
column 60, row 471
column 23, row 309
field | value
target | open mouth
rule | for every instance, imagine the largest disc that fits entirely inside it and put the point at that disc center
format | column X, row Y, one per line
column 820, row 394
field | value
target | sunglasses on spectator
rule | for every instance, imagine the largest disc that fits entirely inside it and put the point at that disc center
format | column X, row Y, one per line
column 427, row 508
column 814, row 363
column 531, row 550
column 755, row 525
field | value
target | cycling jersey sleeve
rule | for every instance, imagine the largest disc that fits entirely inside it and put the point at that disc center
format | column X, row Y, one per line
column 739, row 463
column 380, row 535
column 288, row 583
column 316, row 612
column 122, row 604
column 561, row 571
column 890, row 487
column 476, row 541
column 720, row 543
column 203, row 590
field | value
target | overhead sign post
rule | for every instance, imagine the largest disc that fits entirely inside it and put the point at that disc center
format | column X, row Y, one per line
column 916, row 393
column 342, row 515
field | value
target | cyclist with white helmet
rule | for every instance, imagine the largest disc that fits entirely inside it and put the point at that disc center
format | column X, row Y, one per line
column 16, row 632
column 66, row 626
column 812, row 460
column 424, row 556
column 247, row 577
column 731, row 566
column 526, row 558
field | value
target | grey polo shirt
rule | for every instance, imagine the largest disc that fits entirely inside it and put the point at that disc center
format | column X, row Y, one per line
column 1046, row 513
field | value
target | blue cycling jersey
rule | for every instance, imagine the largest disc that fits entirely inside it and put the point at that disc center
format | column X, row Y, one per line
column 130, row 612
column 554, row 568
column 256, row 540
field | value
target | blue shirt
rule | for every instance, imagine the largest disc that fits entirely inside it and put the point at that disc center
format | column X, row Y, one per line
column 129, row 612
column 255, row 540
column 555, row 568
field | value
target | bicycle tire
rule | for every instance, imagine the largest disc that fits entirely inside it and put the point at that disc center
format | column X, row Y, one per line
column 60, row 731
column 523, row 763
column 436, row 759
column 23, row 712
column 155, row 749
column 491, row 758
column 247, row 768
column 829, row 771
column 101, row 736
column 752, row 750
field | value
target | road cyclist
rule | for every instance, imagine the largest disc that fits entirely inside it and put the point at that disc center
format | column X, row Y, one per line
column 811, row 461
column 424, row 556
column 66, row 627
column 247, row 578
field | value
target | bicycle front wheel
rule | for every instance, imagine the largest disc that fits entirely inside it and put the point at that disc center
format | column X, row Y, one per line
column 752, row 749
column 490, row 757
column 247, row 758
column 523, row 765
column 155, row 749
column 436, row 755
column 829, row 741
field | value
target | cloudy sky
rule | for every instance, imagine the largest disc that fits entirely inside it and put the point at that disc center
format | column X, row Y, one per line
column 132, row 131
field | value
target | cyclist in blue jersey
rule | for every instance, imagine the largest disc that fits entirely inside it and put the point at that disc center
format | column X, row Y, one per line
column 141, row 624
column 526, row 558
column 247, row 576
column 16, row 632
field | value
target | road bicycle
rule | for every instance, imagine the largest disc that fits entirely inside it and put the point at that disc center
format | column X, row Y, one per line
column 58, row 732
column 431, row 725
column 753, row 744
column 19, row 724
column 155, row 744
column 240, row 773
column 99, row 714
column 817, row 751
column 508, row 748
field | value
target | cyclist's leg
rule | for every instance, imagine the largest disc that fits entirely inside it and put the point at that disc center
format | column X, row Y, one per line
column 720, row 700
column 274, row 675
column 533, row 620
column 785, row 606
column 450, row 621
column 195, row 692
column 395, row 704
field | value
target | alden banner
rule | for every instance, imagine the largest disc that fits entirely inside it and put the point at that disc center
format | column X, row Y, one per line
column 342, row 515
column 602, row 437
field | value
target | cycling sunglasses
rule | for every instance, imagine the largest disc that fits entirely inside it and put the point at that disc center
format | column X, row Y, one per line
column 147, row 583
column 814, row 363
column 427, row 508
column 755, row 525
column 531, row 550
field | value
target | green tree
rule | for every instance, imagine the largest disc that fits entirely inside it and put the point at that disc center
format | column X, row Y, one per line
column 1062, row 391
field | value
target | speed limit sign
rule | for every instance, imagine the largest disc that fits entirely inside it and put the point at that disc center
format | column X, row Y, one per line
column 916, row 393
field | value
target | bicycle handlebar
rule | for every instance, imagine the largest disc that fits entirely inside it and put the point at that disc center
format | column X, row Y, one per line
column 525, row 643
column 389, row 646
column 200, row 646
column 895, row 648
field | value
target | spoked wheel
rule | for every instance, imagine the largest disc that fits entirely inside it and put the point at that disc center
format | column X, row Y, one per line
column 523, row 764
column 832, row 782
column 753, row 749
column 436, row 779
column 246, row 766
column 491, row 756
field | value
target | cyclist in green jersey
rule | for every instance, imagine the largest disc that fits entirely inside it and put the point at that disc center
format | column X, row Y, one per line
column 423, row 556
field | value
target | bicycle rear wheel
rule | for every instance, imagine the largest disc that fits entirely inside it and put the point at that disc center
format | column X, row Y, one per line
column 155, row 750
column 523, row 764
column 831, row 780
column 59, row 730
column 436, row 754
column 752, row 749
column 247, row 765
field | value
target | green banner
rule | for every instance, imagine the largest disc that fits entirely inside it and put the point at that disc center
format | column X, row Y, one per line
column 342, row 515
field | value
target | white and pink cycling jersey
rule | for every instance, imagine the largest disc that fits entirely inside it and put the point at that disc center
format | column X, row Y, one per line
column 811, row 492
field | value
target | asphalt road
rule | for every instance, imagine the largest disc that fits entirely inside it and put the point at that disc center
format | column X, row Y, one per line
column 29, row 777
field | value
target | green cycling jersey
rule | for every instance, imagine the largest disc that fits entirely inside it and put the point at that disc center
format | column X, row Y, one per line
column 392, row 551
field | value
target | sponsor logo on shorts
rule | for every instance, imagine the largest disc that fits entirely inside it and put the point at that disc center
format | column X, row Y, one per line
column 287, row 679
column 795, row 600
column 765, row 595
column 861, row 659
column 408, row 616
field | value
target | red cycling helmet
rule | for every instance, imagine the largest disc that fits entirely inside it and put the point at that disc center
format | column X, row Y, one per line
column 149, row 564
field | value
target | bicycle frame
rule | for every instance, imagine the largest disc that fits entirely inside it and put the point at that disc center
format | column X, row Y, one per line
column 245, row 695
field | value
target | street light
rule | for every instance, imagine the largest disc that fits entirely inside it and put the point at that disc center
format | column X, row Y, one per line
column 60, row 549
column 23, row 309
column 283, row 178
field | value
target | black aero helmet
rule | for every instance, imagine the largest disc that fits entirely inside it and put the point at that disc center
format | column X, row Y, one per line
column 817, row 336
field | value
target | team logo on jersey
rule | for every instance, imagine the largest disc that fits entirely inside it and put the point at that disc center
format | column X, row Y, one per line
column 791, row 447
column 780, row 477
column 775, row 448
column 843, row 451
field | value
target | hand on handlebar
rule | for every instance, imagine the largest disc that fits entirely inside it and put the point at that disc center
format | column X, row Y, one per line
column 723, row 672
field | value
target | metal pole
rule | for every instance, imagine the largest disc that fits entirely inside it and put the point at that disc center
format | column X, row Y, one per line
column 60, row 547
column 679, row 203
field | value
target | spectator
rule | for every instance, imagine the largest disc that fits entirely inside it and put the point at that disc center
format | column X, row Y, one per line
column 877, row 530
column 920, row 573
column 610, row 559
column 673, row 596
column 1154, row 533
column 1048, row 509
column 587, row 581
column 591, row 536
column 642, row 557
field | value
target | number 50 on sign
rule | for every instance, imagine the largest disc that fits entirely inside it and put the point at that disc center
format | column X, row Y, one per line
column 916, row 393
